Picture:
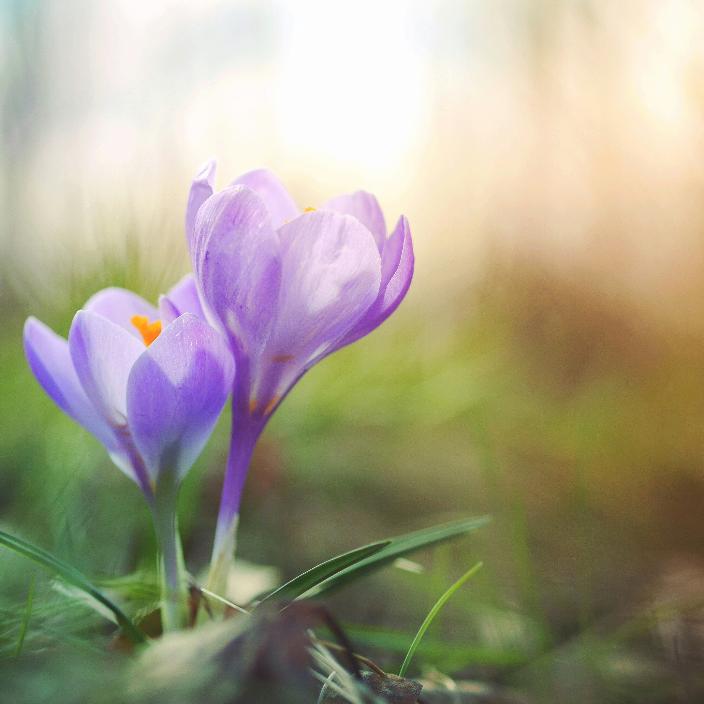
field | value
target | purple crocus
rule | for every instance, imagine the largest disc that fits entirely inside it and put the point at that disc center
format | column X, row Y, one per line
column 287, row 288
column 150, row 392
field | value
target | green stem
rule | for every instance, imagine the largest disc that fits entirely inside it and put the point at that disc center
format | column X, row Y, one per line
column 172, row 569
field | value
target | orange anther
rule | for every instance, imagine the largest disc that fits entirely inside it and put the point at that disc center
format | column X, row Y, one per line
column 148, row 331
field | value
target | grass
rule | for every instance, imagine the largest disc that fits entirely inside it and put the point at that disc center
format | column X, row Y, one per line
column 25, row 619
column 434, row 611
column 73, row 577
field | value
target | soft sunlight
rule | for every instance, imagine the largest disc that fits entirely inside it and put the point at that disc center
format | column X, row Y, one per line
column 354, row 95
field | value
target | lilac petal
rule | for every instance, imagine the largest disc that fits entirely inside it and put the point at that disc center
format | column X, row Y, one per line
column 397, row 265
column 103, row 354
column 201, row 190
column 175, row 393
column 238, row 264
column 181, row 298
column 50, row 361
column 168, row 312
column 277, row 199
column 119, row 306
column 400, row 276
column 365, row 207
column 184, row 295
column 331, row 276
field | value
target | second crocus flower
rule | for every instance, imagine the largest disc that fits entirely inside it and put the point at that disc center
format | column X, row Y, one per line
column 287, row 288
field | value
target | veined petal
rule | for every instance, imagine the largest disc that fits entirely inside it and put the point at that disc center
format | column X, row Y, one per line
column 331, row 276
column 119, row 305
column 50, row 361
column 175, row 393
column 277, row 199
column 201, row 190
column 239, row 265
column 397, row 266
column 103, row 354
column 181, row 298
column 365, row 207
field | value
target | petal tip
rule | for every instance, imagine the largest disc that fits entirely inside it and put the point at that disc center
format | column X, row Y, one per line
column 81, row 316
column 206, row 173
column 30, row 331
column 29, row 325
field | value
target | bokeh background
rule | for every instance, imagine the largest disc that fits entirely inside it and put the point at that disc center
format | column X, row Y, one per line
column 547, row 366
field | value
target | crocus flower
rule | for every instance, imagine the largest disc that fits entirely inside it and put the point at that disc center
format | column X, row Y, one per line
column 150, row 392
column 287, row 288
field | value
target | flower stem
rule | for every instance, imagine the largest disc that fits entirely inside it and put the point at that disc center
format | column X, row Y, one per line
column 172, row 570
column 245, row 433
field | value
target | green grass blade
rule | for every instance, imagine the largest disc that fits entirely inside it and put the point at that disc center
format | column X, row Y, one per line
column 398, row 547
column 25, row 618
column 434, row 611
column 448, row 656
column 314, row 576
column 71, row 575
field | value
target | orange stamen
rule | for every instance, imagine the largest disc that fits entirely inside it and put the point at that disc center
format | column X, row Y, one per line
column 148, row 331
column 308, row 210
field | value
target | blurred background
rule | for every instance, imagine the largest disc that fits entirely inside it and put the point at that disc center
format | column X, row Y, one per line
column 547, row 366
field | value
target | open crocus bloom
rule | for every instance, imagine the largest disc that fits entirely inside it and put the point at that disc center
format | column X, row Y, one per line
column 150, row 389
column 151, row 395
column 288, row 288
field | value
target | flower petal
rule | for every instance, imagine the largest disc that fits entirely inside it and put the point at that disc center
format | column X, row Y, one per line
column 103, row 354
column 238, row 266
column 331, row 275
column 119, row 305
column 50, row 361
column 397, row 266
column 400, row 275
column 175, row 393
column 365, row 207
column 201, row 190
column 181, row 298
column 168, row 312
column 277, row 199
